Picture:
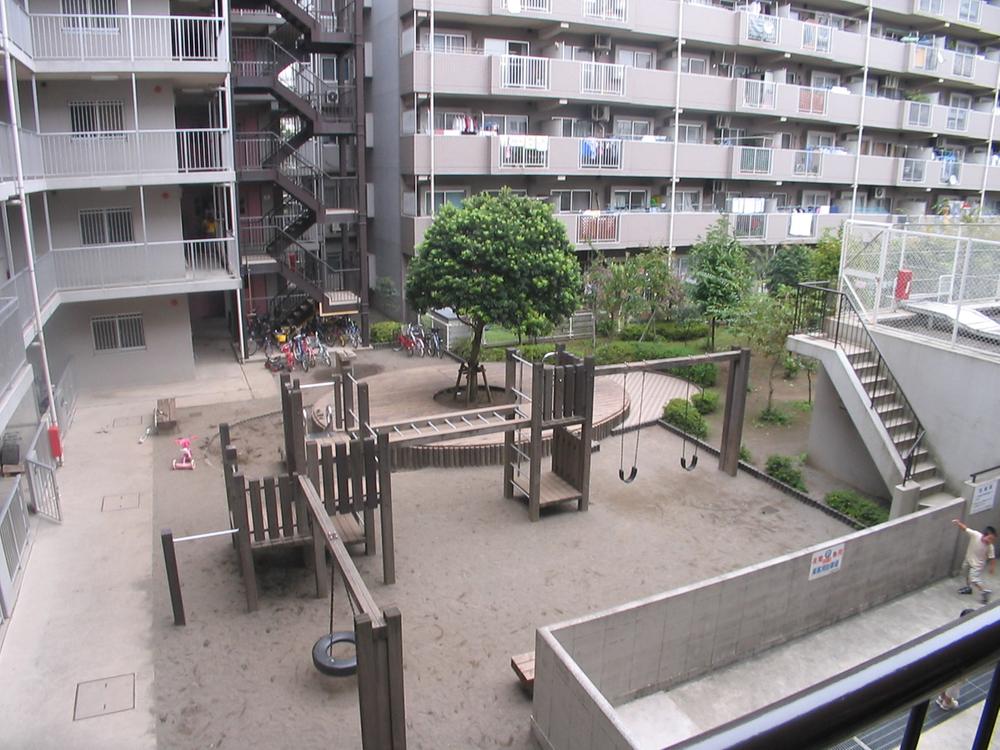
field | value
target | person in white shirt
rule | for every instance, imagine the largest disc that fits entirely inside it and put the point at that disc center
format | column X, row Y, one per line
column 979, row 553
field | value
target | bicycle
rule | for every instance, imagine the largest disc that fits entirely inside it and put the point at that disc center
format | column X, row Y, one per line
column 258, row 333
column 303, row 353
column 314, row 342
column 435, row 346
column 408, row 340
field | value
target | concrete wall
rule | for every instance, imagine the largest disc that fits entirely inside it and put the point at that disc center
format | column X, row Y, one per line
column 163, row 213
column 586, row 666
column 156, row 102
column 955, row 395
column 835, row 445
column 168, row 355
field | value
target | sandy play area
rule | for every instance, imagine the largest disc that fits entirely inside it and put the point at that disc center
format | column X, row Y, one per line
column 474, row 580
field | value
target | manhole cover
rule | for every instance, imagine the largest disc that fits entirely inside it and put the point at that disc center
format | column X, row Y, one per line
column 120, row 502
column 128, row 421
column 105, row 696
column 768, row 510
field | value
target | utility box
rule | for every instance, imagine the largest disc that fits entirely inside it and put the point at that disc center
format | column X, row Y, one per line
column 903, row 281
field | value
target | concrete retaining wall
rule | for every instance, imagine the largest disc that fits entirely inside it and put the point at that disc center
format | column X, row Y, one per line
column 586, row 666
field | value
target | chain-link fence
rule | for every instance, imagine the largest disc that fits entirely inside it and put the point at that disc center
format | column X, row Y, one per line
column 940, row 281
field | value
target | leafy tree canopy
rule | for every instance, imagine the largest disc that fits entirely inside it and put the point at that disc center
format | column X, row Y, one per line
column 721, row 273
column 789, row 266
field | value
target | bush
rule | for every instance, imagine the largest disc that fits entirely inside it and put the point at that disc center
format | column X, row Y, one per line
column 792, row 366
column 634, row 351
column 783, row 469
column 706, row 402
column 745, row 455
column 705, row 374
column 681, row 413
column 633, row 331
column 685, row 331
column 773, row 416
column 605, row 327
column 860, row 508
column 385, row 332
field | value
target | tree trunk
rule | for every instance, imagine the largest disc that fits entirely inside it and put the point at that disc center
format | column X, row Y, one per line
column 770, row 383
column 711, row 335
column 649, row 323
column 809, row 380
column 472, row 365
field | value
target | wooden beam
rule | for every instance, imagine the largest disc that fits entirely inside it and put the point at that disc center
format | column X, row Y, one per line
column 239, row 504
column 586, row 433
column 735, row 413
column 385, row 510
column 535, row 442
column 394, row 654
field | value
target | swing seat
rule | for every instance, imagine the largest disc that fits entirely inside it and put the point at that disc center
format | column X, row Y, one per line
column 323, row 658
column 684, row 463
column 631, row 475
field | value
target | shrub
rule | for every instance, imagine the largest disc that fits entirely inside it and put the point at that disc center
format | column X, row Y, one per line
column 682, row 331
column 792, row 366
column 706, row 402
column 385, row 331
column 745, row 455
column 704, row 374
column 605, row 327
column 681, row 413
column 783, row 469
column 633, row 351
column 860, row 508
column 633, row 331
column 773, row 416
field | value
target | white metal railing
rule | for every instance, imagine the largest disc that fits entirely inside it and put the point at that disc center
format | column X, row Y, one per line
column 602, row 78
column 758, row 94
column 58, row 36
column 957, row 119
column 748, row 226
column 11, row 341
column 816, row 38
column 597, row 228
column 963, row 65
column 19, row 26
column 14, row 529
column 527, row 6
column 929, row 7
column 808, row 163
column 761, row 28
column 31, row 155
column 138, row 263
column 524, row 151
column 253, row 149
column 606, row 10
column 925, row 58
column 918, row 114
column 126, row 152
column 8, row 168
column 754, row 160
column 912, row 171
column 813, row 101
column 600, row 153
column 523, row 72
column 970, row 11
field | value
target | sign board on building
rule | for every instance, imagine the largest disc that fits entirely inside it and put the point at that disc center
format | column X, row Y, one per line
column 984, row 496
column 826, row 561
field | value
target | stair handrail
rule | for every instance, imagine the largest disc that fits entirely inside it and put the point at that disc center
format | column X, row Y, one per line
column 866, row 341
column 908, row 458
column 327, row 269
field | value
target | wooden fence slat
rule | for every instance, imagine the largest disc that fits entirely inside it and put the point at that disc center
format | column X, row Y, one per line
column 580, row 391
column 329, row 495
column 357, row 470
column 312, row 463
column 546, row 393
column 569, row 392
column 285, row 497
column 557, row 393
column 258, row 519
column 371, row 475
column 271, row 505
column 343, row 470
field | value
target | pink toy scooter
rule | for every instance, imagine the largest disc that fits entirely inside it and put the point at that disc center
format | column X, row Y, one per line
column 186, row 460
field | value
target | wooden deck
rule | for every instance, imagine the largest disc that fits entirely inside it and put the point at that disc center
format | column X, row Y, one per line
column 659, row 390
column 553, row 489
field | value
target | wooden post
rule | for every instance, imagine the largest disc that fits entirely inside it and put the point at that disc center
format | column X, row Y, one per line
column 732, row 421
column 319, row 559
column 509, row 457
column 345, row 371
column 173, row 577
column 560, row 354
column 338, row 403
column 385, row 510
column 224, row 437
column 295, row 460
column 394, row 663
column 535, row 447
column 239, row 503
column 284, row 386
column 364, row 410
column 586, row 433
column 374, row 734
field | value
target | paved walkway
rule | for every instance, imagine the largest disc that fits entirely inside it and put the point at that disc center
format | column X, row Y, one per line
column 659, row 390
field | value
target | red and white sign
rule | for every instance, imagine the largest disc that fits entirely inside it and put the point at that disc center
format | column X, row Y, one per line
column 826, row 561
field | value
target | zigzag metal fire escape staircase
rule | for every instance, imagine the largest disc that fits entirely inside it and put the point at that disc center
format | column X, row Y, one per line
column 281, row 154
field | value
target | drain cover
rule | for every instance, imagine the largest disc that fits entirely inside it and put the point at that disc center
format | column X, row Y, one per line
column 120, row 502
column 768, row 510
column 105, row 696
column 134, row 421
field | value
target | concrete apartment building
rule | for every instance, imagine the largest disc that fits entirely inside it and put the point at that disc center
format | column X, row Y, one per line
column 779, row 115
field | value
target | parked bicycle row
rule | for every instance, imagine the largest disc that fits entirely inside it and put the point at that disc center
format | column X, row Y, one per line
column 287, row 348
column 415, row 340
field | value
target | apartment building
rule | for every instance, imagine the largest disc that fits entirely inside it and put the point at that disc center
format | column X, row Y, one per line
column 299, row 83
column 117, row 185
column 644, row 121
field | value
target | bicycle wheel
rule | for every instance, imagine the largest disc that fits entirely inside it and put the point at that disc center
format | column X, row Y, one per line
column 440, row 349
column 252, row 345
column 421, row 347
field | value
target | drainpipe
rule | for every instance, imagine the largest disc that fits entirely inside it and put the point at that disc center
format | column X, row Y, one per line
column 989, row 146
column 861, row 117
column 433, row 211
column 25, row 220
column 677, row 119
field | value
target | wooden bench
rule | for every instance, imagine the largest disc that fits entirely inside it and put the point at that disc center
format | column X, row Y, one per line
column 165, row 416
column 524, row 667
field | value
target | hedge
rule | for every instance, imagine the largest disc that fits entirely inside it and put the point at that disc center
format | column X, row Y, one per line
column 783, row 469
column 705, row 374
column 706, row 402
column 860, row 508
column 384, row 332
column 681, row 413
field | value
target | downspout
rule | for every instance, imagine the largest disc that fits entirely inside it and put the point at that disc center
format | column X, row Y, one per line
column 861, row 118
column 677, row 120
column 989, row 146
column 431, row 123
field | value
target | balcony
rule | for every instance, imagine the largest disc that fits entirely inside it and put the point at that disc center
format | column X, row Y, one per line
column 602, row 79
column 608, row 11
column 524, row 73
column 11, row 342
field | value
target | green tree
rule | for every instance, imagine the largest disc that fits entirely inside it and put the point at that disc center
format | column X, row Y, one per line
column 659, row 287
column 763, row 322
column 612, row 288
column 501, row 260
column 789, row 266
column 721, row 274
column 825, row 265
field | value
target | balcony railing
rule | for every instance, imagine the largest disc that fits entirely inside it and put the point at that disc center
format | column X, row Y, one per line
column 523, row 72
column 600, row 153
column 602, row 78
column 951, row 172
column 597, row 228
column 11, row 341
column 127, row 152
column 58, row 36
column 813, row 101
column 754, row 160
column 816, row 38
column 19, row 26
column 748, row 226
column 137, row 263
column 524, row 151
column 958, row 119
column 925, row 59
column 913, row 171
column 606, row 10
column 808, row 163
column 758, row 94
column 527, row 6
column 918, row 114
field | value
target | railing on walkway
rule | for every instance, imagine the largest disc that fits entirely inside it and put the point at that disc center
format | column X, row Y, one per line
column 606, row 10
column 14, row 528
column 904, row 679
column 523, row 152
column 813, row 101
column 19, row 26
column 601, row 153
column 816, row 37
column 523, row 72
column 835, row 316
column 748, row 226
column 597, row 228
column 602, row 79
column 758, row 94
column 527, row 6
column 808, row 163
column 754, row 160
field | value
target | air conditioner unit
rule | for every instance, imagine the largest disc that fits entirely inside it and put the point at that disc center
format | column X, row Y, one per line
column 722, row 121
column 332, row 97
column 602, row 41
column 879, row 193
column 891, row 82
column 600, row 112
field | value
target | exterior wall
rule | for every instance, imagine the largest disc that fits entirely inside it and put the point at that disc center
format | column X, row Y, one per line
column 955, row 395
column 163, row 213
column 168, row 355
column 156, row 102
column 585, row 666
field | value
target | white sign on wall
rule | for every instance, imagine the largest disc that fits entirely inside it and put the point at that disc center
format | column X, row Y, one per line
column 826, row 561
column 984, row 496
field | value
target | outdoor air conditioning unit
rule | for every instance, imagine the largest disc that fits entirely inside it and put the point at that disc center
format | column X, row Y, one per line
column 879, row 193
column 600, row 113
column 332, row 98
column 602, row 42
column 723, row 121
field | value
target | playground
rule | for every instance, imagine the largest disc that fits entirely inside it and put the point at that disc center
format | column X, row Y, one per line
column 474, row 579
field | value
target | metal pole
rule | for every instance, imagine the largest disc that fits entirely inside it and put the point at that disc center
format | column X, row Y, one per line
column 173, row 578
column 677, row 117
column 861, row 114
column 914, row 723
column 431, row 123
column 989, row 144
column 988, row 717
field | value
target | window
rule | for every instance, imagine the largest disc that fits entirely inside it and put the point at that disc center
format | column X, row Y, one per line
column 449, row 43
column 506, row 124
column 780, row 200
column 574, row 128
column 629, row 200
column 815, row 198
column 871, row 147
column 97, row 118
column 118, row 333
column 91, row 15
column 570, row 200
column 688, row 132
column 446, row 120
column 635, row 58
column 106, row 226
column 454, row 196
column 696, row 65
column 820, row 140
column 574, row 52
column 505, row 47
column 731, row 136
column 824, row 80
column 687, row 200
column 634, row 129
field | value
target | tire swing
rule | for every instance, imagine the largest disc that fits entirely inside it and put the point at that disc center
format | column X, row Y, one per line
column 634, row 471
column 323, row 658
column 685, row 464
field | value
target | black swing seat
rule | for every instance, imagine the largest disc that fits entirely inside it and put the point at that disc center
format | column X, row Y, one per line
column 684, row 463
column 323, row 658
column 631, row 475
